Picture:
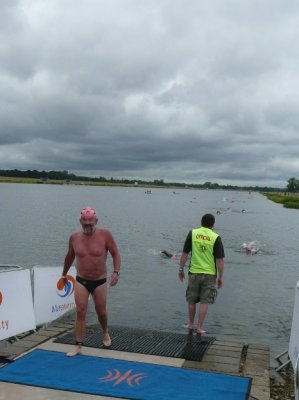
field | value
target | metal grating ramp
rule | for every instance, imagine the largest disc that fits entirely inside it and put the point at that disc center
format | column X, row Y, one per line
column 166, row 344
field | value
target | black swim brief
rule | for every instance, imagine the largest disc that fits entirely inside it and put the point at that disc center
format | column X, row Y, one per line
column 91, row 285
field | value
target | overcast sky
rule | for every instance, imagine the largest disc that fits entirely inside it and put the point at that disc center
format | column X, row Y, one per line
column 181, row 90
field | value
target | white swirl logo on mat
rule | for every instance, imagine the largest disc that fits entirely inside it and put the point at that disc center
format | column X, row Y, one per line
column 65, row 289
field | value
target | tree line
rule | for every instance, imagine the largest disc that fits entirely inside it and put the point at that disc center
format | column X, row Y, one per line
column 43, row 176
column 293, row 185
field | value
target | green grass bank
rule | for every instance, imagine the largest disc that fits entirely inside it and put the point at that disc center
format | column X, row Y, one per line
column 286, row 199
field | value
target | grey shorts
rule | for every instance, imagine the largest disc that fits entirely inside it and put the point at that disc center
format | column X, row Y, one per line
column 201, row 288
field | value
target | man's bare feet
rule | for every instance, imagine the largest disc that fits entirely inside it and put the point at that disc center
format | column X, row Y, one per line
column 106, row 340
column 77, row 350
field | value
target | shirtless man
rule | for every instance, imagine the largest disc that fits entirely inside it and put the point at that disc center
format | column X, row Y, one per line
column 90, row 248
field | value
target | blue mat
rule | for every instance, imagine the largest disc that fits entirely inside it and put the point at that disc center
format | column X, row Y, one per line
column 124, row 379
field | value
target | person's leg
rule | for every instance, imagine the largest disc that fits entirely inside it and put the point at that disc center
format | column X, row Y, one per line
column 208, row 294
column 203, row 309
column 192, row 298
column 81, row 295
column 191, row 312
column 100, row 299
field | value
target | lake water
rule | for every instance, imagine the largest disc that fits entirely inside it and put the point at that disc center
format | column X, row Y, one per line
column 256, row 302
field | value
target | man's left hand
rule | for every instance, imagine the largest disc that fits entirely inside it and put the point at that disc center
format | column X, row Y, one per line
column 113, row 279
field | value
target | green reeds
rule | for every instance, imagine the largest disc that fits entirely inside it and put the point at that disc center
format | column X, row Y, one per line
column 288, row 201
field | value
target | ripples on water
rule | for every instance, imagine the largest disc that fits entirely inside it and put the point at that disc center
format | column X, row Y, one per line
column 256, row 303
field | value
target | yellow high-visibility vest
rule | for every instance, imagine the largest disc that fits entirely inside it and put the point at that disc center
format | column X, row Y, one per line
column 202, row 259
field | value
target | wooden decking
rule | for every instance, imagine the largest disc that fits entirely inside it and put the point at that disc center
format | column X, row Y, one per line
column 229, row 357
column 239, row 359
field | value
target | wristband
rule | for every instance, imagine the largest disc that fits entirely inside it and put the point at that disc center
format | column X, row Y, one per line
column 181, row 269
column 116, row 272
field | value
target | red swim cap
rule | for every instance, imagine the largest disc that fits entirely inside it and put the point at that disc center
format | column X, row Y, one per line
column 88, row 212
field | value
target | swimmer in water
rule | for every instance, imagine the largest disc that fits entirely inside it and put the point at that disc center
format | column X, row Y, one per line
column 167, row 254
column 249, row 248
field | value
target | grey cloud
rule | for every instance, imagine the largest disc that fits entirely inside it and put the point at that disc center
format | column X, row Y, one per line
column 201, row 91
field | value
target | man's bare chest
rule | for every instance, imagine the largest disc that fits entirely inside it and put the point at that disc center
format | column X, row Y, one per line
column 90, row 247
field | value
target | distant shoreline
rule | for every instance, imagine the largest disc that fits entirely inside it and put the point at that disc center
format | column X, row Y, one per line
column 87, row 183
column 170, row 185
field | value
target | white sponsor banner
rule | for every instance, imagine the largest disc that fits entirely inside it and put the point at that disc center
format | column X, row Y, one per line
column 16, row 305
column 294, row 339
column 52, row 298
